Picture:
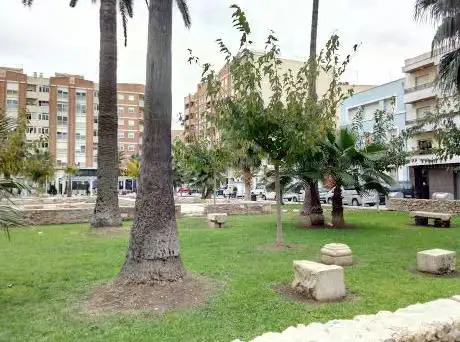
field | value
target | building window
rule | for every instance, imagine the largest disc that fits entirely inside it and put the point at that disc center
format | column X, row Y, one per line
column 130, row 148
column 63, row 94
column 130, row 123
column 121, row 148
column 62, row 107
column 121, row 96
column 422, row 79
column 131, row 135
column 12, row 89
column 11, row 104
column 43, row 103
column 31, row 87
column 44, row 88
column 80, row 108
column 62, row 120
column 425, row 145
column 96, row 106
column 131, row 97
column 43, row 116
column 61, row 135
column 121, row 135
column 94, row 132
column 96, row 93
column 80, row 95
column 121, row 110
column 31, row 130
column 121, row 122
column 423, row 112
column 95, row 120
column 131, row 110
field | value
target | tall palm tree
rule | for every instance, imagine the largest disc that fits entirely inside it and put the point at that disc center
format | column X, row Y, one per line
column 106, row 211
column 153, row 254
column 349, row 166
column 446, row 39
column 313, row 40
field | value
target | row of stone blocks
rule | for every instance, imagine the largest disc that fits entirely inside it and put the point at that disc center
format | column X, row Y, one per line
column 436, row 321
column 326, row 281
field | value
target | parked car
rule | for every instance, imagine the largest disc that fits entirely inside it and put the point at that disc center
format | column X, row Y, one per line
column 259, row 191
column 185, row 190
column 323, row 195
column 404, row 187
column 294, row 196
column 221, row 191
column 230, row 192
column 351, row 197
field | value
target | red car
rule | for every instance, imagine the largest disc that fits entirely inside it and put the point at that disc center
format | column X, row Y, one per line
column 185, row 190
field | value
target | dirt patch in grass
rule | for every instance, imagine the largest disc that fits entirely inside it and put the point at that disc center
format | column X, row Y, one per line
column 287, row 292
column 452, row 275
column 276, row 248
column 192, row 291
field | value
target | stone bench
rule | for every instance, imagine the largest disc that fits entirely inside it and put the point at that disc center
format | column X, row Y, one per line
column 422, row 217
column 436, row 261
column 217, row 220
column 318, row 281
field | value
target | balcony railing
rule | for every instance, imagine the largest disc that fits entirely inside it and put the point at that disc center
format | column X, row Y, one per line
column 419, row 87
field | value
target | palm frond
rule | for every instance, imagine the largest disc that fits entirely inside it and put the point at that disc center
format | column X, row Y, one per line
column 126, row 10
column 184, row 10
column 27, row 3
column 449, row 72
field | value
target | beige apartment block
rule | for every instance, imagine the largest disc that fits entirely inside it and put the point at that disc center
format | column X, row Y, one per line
column 429, row 174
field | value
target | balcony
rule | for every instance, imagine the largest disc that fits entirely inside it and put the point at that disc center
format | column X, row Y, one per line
column 420, row 93
column 418, row 62
column 31, row 94
column 418, row 125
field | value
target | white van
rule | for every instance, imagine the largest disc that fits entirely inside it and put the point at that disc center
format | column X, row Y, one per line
column 351, row 197
column 239, row 190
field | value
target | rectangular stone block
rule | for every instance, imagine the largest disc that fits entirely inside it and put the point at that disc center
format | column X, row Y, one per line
column 436, row 261
column 318, row 281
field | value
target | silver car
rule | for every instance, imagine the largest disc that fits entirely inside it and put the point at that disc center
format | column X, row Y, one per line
column 351, row 197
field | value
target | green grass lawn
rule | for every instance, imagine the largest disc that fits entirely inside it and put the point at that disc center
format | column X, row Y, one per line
column 53, row 269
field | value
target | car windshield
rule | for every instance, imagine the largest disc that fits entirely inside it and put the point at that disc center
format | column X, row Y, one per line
column 402, row 185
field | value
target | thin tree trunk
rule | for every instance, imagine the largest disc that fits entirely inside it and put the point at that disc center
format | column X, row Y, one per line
column 279, row 223
column 247, row 177
column 153, row 254
column 337, row 207
column 317, row 217
column 106, row 211
column 313, row 38
column 69, row 188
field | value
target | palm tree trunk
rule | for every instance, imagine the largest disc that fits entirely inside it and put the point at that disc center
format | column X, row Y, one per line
column 337, row 207
column 247, row 176
column 306, row 211
column 317, row 217
column 106, row 211
column 153, row 253
column 279, row 223
column 313, row 38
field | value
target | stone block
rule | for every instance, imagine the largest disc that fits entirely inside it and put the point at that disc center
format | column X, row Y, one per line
column 216, row 220
column 318, row 281
column 336, row 254
column 436, row 261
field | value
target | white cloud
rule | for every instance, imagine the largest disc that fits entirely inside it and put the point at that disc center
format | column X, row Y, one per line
column 53, row 37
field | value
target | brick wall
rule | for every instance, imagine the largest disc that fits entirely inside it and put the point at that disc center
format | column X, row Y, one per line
column 438, row 206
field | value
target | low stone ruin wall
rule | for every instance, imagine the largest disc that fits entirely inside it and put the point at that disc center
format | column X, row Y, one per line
column 436, row 321
column 35, row 217
column 237, row 208
column 438, row 206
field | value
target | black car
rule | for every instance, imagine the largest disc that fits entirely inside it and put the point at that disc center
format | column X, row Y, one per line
column 405, row 188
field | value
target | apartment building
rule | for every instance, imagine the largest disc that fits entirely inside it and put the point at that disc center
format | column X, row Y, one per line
column 65, row 108
column 422, row 98
column 388, row 97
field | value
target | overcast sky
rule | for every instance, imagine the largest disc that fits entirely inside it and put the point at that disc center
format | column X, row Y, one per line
column 51, row 37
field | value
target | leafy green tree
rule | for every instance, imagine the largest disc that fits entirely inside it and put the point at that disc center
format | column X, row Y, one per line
column 39, row 167
column 133, row 168
column 13, row 145
column 446, row 14
column 349, row 166
column 153, row 254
